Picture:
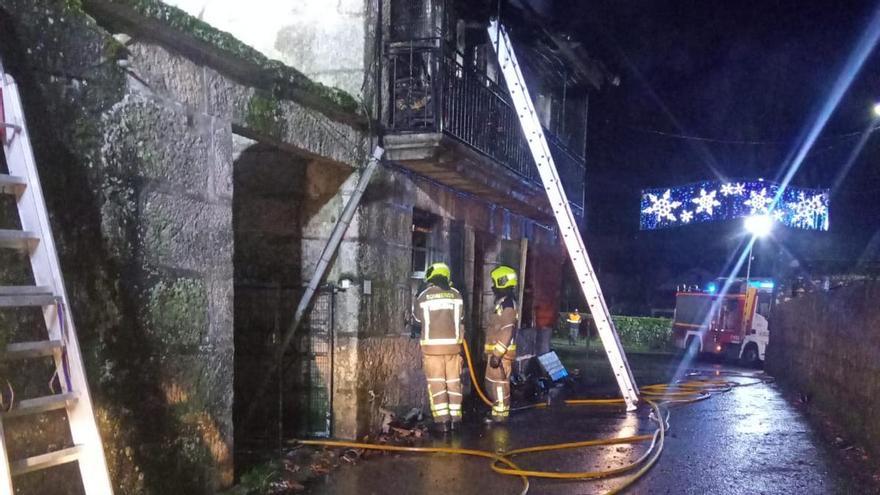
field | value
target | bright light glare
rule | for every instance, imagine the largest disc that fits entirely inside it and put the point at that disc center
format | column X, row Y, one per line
column 759, row 225
column 877, row 109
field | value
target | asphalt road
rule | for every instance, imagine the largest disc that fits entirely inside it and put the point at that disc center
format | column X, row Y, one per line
column 747, row 441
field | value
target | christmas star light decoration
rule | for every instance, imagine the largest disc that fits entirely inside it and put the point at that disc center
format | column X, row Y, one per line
column 706, row 202
column 663, row 206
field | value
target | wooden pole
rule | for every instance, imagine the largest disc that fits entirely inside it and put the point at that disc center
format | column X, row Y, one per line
column 523, row 258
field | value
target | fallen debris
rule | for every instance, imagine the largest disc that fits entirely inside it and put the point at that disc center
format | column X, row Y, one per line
column 292, row 469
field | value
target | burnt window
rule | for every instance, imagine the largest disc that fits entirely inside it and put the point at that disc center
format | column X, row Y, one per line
column 414, row 20
column 423, row 240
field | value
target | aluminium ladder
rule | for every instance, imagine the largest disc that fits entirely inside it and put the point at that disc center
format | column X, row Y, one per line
column 35, row 238
column 534, row 133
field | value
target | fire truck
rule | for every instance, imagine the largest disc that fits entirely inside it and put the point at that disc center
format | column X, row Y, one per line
column 731, row 324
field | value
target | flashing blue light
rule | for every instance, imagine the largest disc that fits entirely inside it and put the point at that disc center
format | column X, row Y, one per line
column 711, row 288
column 762, row 284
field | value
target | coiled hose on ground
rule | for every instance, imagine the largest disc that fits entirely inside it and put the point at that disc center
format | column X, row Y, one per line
column 698, row 386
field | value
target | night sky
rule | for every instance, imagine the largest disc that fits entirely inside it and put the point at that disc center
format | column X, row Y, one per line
column 747, row 78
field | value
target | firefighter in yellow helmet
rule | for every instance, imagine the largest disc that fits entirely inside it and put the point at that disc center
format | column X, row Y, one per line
column 500, row 347
column 439, row 309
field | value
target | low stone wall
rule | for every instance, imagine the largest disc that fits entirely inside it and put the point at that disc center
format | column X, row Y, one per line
column 826, row 345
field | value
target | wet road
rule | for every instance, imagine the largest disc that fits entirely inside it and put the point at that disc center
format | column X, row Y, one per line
column 747, row 441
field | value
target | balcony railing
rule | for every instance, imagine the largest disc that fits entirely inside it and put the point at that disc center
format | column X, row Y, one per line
column 432, row 92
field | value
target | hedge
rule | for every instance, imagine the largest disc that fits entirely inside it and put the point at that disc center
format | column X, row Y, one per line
column 636, row 332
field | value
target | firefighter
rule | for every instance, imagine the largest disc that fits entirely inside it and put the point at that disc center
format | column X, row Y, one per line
column 439, row 310
column 500, row 347
column 574, row 326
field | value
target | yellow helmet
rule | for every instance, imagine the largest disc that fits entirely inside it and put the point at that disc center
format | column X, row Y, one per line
column 503, row 277
column 437, row 270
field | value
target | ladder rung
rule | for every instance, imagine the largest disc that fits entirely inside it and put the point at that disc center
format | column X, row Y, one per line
column 25, row 295
column 18, row 239
column 25, row 290
column 10, row 125
column 40, row 405
column 30, row 350
column 11, row 184
column 45, row 461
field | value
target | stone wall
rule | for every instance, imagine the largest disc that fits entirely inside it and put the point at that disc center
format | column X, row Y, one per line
column 140, row 196
column 136, row 161
column 191, row 192
column 825, row 345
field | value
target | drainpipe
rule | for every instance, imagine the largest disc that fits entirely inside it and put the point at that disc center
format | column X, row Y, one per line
column 380, row 60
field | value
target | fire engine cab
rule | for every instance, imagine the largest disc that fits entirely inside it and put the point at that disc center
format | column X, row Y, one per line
column 731, row 324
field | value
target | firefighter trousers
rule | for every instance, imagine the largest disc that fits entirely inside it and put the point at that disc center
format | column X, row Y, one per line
column 444, row 385
column 498, row 387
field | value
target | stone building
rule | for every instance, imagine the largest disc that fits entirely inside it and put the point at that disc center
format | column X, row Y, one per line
column 193, row 181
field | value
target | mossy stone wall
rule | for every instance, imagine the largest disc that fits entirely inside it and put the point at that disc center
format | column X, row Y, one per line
column 136, row 189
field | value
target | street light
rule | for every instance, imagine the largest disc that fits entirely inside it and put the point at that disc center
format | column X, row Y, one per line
column 759, row 226
column 877, row 109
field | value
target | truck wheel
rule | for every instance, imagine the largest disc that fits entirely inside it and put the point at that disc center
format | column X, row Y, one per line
column 749, row 356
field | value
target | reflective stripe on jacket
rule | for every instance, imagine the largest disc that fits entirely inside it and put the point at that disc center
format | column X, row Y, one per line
column 440, row 313
column 502, row 329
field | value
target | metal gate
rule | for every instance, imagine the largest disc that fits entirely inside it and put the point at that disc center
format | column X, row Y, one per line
column 309, row 379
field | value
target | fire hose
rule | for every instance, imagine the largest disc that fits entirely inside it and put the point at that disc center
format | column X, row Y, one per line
column 660, row 396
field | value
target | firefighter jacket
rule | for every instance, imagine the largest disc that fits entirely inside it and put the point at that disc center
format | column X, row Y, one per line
column 502, row 329
column 440, row 313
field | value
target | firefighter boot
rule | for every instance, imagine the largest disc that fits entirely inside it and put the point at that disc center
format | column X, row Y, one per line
column 441, row 427
column 455, row 426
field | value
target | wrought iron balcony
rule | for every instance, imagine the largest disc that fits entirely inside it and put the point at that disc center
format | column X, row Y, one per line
column 432, row 93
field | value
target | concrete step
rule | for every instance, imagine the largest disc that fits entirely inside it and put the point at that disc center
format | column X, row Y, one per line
column 31, row 350
column 40, row 405
column 45, row 461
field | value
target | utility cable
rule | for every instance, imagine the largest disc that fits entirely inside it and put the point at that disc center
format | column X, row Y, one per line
column 757, row 142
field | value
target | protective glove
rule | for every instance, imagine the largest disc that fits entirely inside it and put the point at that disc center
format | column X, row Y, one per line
column 494, row 361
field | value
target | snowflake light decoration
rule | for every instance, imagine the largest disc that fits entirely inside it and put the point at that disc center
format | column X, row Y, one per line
column 793, row 206
column 706, row 202
column 759, row 202
column 686, row 216
column 663, row 207
column 807, row 209
column 778, row 215
column 733, row 189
